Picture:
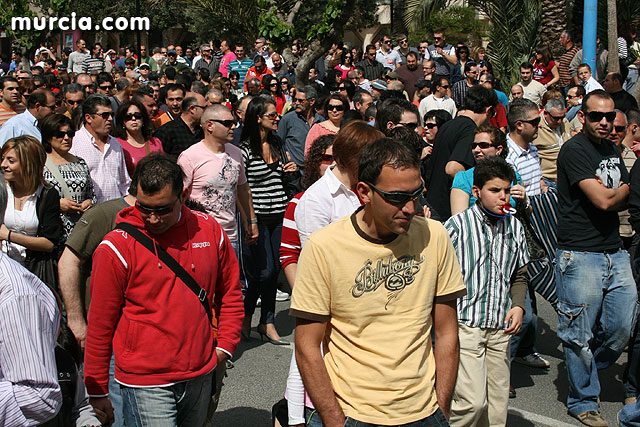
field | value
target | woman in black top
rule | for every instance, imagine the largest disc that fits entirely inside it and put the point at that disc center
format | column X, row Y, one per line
column 263, row 153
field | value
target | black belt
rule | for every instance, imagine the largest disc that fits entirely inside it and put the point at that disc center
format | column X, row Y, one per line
column 609, row 251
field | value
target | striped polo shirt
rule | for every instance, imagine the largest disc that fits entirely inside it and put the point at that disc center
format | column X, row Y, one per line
column 488, row 255
column 7, row 113
column 93, row 65
column 527, row 164
column 563, row 65
column 265, row 182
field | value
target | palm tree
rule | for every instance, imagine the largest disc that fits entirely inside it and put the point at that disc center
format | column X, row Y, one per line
column 612, row 24
column 417, row 12
column 554, row 22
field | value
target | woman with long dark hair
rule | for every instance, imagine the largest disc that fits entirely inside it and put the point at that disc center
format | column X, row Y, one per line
column 133, row 129
column 265, row 162
column 272, row 88
column 545, row 69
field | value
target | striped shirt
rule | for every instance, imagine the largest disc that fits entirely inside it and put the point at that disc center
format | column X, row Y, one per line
column 265, row 183
column 29, row 319
column 488, row 255
column 290, row 246
column 7, row 113
column 527, row 164
column 93, row 65
column 563, row 65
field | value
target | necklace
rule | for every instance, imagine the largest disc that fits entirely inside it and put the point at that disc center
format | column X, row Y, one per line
column 20, row 201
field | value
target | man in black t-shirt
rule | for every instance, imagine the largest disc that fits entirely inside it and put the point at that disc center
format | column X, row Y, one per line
column 596, row 290
column 452, row 149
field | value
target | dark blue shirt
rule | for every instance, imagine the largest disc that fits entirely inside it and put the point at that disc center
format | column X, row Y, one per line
column 293, row 130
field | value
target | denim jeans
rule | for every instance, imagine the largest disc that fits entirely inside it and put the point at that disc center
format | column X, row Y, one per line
column 629, row 415
column 597, row 305
column 115, row 396
column 631, row 375
column 437, row 419
column 182, row 404
column 312, row 418
column 523, row 343
column 263, row 278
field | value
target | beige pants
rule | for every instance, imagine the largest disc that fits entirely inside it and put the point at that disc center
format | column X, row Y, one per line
column 481, row 395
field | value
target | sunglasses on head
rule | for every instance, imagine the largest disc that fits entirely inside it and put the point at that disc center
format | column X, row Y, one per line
column 620, row 128
column 597, row 116
column 131, row 116
column 165, row 210
column 335, row 107
column 106, row 115
column 533, row 122
column 483, row 145
column 225, row 123
column 61, row 134
column 398, row 197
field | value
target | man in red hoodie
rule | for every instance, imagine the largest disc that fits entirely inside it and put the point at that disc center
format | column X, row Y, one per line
column 158, row 329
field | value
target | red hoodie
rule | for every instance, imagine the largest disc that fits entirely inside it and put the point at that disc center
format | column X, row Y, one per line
column 158, row 328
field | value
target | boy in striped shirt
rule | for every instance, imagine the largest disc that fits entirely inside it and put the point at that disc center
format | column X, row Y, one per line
column 492, row 250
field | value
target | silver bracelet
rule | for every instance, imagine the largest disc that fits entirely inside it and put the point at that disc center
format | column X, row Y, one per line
column 253, row 220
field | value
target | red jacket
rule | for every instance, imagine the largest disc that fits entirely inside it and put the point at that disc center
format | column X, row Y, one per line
column 156, row 326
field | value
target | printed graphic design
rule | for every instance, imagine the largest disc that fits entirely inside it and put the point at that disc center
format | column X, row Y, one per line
column 609, row 172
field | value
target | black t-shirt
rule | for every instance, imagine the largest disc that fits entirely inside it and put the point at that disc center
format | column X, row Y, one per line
column 581, row 225
column 634, row 197
column 624, row 101
column 453, row 143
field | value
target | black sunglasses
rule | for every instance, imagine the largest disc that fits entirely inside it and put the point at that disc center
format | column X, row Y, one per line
column 398, row 197
column 335, row 107
column 225, row 123
column 72, row 102
column 556, row 118
column 106, row 115
column 483, row 145
column 165, row 210
column 108, row 87
column 409, row 125
column 445, row 86
column 326, row 158
column 620, row 128
column 61, row 134
column 597, row 116
column 533, row 122
column 131, row 116
column 430, row 125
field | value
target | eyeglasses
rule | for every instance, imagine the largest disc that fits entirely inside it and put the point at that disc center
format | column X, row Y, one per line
column 61, row 134
column 335, row 107
column 597, row 116
column 398, row 197
column 326, row 159
column 133, row 116
column 403, row 41
column 342, row 88
column 161, row 211
column 106, row 87
column 437, row 38
column 225, row 123
column 72, row 102
column 430, row 125
column 620, row 128
column 409, row 125
column 533, row 122
column 571, row 96
column 272, row 116
column 105, row 116
column 483, row 145
column 386, row 41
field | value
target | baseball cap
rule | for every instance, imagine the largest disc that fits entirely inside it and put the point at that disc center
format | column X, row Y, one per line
column 393, row 75
column 422, row 83
column 145, row 65
column 172, row 52
column 379, row 84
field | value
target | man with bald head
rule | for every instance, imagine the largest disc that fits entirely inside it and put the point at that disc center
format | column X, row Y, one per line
column 280, row 69
column 183, row 131
column 215, row 176
column 40, row 104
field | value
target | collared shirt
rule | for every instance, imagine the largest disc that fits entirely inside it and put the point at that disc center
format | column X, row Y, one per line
column 459, row 93
column 107, row 167
column 591, row 85
column 293, row 130
column 326, row 201
column 29, row 319
column 430, row 102
column 371, row 71
column 487, row 262
column 527, row 164
column 22, row 124
column 563, row 65
column 176, row 136
column 212, row 65
column 389, row 59
column 93, row 65
column 241, row 67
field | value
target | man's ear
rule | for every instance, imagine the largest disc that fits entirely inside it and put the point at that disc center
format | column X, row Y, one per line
column 475, row 191
column 364, row 192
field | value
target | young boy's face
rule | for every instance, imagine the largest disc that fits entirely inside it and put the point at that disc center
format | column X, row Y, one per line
column 584, row 74
column 493, row 194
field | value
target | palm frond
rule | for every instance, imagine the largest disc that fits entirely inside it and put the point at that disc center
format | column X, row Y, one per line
column 417, row 12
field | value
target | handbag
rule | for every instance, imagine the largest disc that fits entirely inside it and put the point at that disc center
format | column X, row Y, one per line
column 291, row 181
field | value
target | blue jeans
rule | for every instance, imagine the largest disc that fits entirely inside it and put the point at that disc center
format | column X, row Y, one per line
column 629, row 415
column 115, row 396
column 182, row 404
column 523, row 343
column 312, row 418
column 262, row 272
column 437, row 419
column 597, row 305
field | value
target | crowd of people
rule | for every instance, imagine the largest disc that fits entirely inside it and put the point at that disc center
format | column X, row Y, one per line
column 411, row 206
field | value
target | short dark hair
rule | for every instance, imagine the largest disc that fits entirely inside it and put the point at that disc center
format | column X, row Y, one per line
column 90, row 105
column 174, row 86
column 412, row 53
column 497, row 138
column 490, row 168
column 103, row 77
column 369, row 47
column 479, row 98
column 440, row 116
column 396, row 153
column 580, row 90
column 438, row 82
column 259, row 59
column 408, row 135
column 39, row 97
column 170, row 73
column 155, row 171
column 50, row 125
column 526, row 65
column 72, row 88
column 598, row 93
column 5, row 79
column 234, row 74
column 633, row 116
column 618, row 77
column 518, row 111
column 468, row 65
column 391, row 110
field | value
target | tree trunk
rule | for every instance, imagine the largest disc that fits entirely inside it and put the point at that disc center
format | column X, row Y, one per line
column 554, row 22
column 612, row 25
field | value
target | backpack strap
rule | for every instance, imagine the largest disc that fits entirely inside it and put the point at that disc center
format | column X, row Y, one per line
column 171, row 262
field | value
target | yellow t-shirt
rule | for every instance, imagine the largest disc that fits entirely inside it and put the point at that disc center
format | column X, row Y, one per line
column 377, row 298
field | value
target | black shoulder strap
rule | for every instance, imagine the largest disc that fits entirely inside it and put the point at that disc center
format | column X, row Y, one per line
column 179, row 271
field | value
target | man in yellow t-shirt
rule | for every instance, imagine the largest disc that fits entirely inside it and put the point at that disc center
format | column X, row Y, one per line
column 368, row 289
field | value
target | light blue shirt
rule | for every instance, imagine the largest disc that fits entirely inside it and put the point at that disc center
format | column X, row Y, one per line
column 21, row 124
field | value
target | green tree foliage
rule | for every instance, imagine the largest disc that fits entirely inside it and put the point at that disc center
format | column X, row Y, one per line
column 25, row 8
column 513, row 35
column 459, row 22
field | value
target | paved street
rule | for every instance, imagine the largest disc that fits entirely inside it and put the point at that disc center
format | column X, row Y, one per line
column 259, row 377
